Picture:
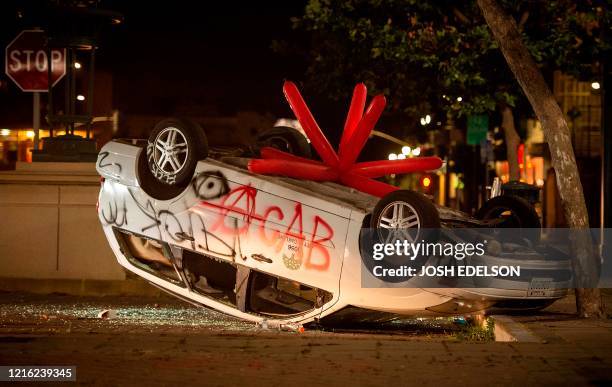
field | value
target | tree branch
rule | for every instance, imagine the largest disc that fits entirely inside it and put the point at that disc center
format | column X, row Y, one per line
column 462, row 18
column 523, row 20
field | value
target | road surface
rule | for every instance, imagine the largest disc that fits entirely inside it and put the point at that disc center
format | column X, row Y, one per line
column 163, row 342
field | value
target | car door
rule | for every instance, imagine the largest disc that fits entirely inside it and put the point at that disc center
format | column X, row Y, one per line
column 268, row 227
column 285, row 235
column 197, row 221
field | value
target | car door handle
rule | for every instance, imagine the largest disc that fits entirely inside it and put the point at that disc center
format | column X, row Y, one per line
column 261, row 258
column 184, row 236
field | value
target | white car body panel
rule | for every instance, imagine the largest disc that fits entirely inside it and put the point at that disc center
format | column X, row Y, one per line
column 118, row 162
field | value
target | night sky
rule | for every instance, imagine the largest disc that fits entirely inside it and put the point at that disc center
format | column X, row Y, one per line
column 211, row 56
column 218, row 54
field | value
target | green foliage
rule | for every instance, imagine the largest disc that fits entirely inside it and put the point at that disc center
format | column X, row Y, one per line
column 476, row 332
column 425, row 54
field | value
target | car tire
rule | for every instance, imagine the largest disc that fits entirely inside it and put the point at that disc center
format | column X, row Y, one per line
column 287, row 139
column 518, row 213
column 402, row 207
column 168, row 163
column 413, row 209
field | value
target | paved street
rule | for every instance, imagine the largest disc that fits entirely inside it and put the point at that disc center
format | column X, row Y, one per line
column 167, row 342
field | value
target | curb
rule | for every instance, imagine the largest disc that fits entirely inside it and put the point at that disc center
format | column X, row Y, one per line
column 509, row 330
column 80, row 287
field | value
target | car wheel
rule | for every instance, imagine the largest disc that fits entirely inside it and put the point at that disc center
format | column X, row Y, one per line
column 508, row 211
column 407, row 211
column 398, row 216
column 168, row 163
column 286, row 139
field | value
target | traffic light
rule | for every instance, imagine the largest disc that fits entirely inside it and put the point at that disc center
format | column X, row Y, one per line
column 428, row 183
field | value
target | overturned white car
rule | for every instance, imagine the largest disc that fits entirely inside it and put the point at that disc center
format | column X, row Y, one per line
column 258, row 247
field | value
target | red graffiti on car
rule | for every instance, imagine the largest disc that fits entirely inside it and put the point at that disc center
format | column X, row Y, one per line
column 241, row 204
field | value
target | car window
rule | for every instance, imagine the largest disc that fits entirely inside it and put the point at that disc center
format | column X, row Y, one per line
column 148, row 255
column 210, row 277
column 271, row 295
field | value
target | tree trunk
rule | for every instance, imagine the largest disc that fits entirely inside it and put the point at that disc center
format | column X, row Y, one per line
column 512, row 142
column 557, row 134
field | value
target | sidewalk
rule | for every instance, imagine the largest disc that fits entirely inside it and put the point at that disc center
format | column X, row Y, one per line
column 165, row 343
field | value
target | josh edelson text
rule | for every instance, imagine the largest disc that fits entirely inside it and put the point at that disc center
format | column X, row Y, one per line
column 409, row 251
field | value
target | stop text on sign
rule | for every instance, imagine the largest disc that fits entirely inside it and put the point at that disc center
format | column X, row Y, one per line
column 30, row 60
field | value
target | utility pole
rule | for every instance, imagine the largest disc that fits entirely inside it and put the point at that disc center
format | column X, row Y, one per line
column 606, row 154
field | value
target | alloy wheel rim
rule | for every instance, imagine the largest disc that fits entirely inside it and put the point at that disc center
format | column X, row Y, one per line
column 402, row 218
column 171, row 151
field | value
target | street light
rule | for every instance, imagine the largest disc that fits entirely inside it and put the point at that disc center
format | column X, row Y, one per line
column 427, row 119
column 406, row 150
column 5, row 132
column 595, row 85
column 77, row 65
column 30, row 134
column 81, row 97
column 459, row 99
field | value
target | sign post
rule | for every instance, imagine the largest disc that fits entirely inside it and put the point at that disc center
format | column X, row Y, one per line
column 26, row 64
column 36, row 118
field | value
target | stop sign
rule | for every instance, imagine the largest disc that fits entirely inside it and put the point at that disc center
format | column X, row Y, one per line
column 26, row 62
